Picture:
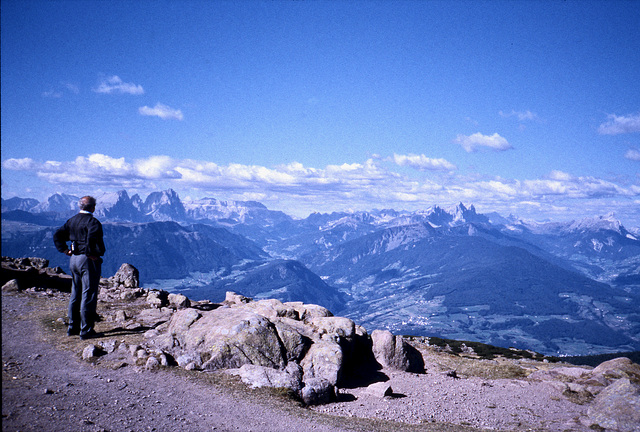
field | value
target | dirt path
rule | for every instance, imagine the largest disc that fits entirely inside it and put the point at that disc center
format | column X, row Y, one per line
column 49, row 389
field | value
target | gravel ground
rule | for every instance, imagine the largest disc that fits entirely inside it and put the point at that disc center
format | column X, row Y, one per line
column 46, row 386
column 503, row 404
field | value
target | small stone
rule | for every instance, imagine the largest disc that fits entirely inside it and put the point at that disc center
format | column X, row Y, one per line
column 380, row 389
column 89, row 352
column 152, row 363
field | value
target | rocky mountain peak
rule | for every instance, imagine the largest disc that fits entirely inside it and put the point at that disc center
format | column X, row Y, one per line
column 58, row 203
column 164, row 206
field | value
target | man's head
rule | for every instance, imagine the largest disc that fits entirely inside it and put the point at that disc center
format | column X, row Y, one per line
column 87, row 203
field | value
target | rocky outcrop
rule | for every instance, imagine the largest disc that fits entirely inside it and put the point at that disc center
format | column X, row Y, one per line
column 33, row 272
column 612, row 390
column 617, row 405
column 267, row 343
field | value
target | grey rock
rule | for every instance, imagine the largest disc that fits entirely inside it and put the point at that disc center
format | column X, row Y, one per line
column 109, row 346
column 186, row 359
column 261, row 376
column 324, row 360
column 182, row 320
column 192, row 366
column 152, row 317
column 617, row 368
column 380, row 389
column 272, row 309
column 393, row 352
column 90, row 352
column 231, row 337
column 158, row 298
column 178, row 301
column 337, row 329
column 295, row 344
column 309, row 311
column 38, row 263
column 127, row 275
column 237, row 299
column 617, row 407
column 11, row 286
column 571, row 372
column 152, row 363
column 317, row 391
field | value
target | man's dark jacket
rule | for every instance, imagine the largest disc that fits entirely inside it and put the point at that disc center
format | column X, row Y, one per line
column 85, row 232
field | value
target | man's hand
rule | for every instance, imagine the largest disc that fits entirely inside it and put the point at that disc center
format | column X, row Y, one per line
column 68, row 252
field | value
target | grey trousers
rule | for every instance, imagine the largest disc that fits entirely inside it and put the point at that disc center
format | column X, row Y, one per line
column 85, row 279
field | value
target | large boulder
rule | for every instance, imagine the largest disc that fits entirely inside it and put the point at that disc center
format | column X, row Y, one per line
column 300, row 347
column 617, row 368
column 261, row 376
column 324, row 360
column 318, row 391
column 393, row 352
column 617, row 407
column 11, row 286
column 227, row 338
column 266, row 333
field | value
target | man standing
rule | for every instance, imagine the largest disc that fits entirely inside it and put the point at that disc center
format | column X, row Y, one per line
column 87, row 246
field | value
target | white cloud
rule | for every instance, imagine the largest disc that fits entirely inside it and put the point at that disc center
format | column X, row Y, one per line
column 617, row 125
column 24, row 164
column 633, row 154
column 57, row 93
column 559, row 175
column 478, row 141
column 71, row 87
column 521, row 115
column 297, row 189
column 156, row 167
column 162, row 111
column 114, row 84
column 52, row 94
column 422, row 163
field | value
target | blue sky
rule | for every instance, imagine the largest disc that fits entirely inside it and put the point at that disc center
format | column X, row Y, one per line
column 523, row 107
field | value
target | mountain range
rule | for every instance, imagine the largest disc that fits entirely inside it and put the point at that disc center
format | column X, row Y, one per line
column 557, row 288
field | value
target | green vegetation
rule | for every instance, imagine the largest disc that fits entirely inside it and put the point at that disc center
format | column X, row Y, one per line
column 480, row 350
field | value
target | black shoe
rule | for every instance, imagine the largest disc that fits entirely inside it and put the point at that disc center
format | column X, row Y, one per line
column 90, row 335
column 73, row 332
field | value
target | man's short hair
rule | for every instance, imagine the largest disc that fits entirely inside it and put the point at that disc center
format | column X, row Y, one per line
column 87, row 202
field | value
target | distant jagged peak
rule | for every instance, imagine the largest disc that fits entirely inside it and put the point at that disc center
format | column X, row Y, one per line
column 59, row 203
column 17, row 203
column 168, row 196
column 164, row 206
column 607, row 222
column 214, row 203
column 462, row 214
column 109, row 199
column 118, row 206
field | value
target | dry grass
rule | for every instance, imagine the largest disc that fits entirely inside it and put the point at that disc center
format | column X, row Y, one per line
column 468, row 365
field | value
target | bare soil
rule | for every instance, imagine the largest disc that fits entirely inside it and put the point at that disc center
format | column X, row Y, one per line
column 47, row 386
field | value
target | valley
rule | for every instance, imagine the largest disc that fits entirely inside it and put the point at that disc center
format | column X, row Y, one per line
column 556, row 288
